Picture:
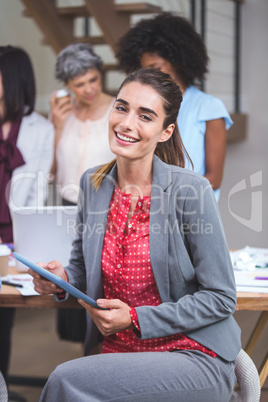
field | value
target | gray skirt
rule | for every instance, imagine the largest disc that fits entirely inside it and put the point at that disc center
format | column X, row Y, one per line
column 182, row 375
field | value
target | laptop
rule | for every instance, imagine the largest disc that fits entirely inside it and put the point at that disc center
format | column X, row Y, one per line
column 43, row 234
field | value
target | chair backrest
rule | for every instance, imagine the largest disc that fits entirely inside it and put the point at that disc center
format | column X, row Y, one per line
column 3, row 389
column 248, row 379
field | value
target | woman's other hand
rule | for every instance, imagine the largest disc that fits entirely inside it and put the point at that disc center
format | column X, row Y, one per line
column 115, row 319
column 215, row 149
column 44, row 286
column 60, row 110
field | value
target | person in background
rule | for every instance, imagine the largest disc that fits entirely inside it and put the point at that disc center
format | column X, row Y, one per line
column 170, row 43
column 81, row 141
column 165, row 290
column 81, row 123
column 26, row 155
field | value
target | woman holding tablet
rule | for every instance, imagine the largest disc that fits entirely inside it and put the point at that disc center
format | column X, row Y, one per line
column 151, row 250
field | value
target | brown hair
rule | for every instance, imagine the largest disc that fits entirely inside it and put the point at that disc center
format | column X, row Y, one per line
column 18, row 83
column 171, row 151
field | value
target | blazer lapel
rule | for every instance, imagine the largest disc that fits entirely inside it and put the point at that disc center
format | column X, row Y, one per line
column 160, row 199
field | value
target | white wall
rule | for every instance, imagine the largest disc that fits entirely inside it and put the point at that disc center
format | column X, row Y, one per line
column 20, row 31
column 248, row 157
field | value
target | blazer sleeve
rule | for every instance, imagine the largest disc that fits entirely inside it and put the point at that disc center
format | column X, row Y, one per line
column 214, row 295
column 76, row 269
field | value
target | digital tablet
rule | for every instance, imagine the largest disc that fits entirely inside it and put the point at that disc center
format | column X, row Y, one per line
column 57, row 280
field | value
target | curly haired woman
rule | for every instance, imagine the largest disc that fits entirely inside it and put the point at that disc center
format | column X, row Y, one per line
column 170, row 43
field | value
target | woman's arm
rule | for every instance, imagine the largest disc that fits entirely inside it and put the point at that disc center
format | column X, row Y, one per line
column 215, row 148
column 115, row 318
column 205, row 269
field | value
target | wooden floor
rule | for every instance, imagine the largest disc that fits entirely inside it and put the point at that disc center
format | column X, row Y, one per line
column 37, row 350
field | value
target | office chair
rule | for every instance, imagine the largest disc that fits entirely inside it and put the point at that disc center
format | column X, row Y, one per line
column 247, row 378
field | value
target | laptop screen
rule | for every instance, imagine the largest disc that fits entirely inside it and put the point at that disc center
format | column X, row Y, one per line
column 43, row 234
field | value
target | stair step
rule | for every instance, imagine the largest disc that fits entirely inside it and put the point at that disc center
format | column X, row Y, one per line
column 137, row 8
column 110, row 67
column 45, row 42
column 79, row 11
column 26, row 13
column 131, row 8
column 112, row 92
column 94, row 40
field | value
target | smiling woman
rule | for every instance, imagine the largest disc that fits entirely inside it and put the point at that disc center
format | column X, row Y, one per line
column 153, row 272
column 134, row 125
column 137, row 118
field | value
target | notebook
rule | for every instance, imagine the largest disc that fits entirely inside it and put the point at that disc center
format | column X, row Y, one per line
column 44, row 234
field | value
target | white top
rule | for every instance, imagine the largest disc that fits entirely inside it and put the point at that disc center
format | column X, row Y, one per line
column 83, row 144
column 36, row 144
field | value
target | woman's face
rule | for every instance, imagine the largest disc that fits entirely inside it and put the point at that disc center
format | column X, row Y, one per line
column 87, row 88
column 152, row 60
column 136, row 122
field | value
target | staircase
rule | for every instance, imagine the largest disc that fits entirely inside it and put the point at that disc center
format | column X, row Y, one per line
column 57, row 23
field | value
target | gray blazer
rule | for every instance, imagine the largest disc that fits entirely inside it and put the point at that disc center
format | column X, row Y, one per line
column 189, row 258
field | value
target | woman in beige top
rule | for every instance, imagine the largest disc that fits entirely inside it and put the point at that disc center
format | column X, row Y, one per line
column 81, row 122
column 81, row 141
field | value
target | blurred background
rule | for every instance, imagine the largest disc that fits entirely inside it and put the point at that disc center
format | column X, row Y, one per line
column 235, row 33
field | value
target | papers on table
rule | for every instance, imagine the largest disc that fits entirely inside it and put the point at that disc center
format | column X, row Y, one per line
column 249, row 263
column 25, row 280
column 251, row 269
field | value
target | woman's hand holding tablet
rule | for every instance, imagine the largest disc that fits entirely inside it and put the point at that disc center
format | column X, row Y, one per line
column 57, row 277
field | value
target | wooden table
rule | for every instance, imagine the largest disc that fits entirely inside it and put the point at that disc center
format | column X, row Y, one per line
column 11, row 297
column 256, row 302
column 252, row 301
